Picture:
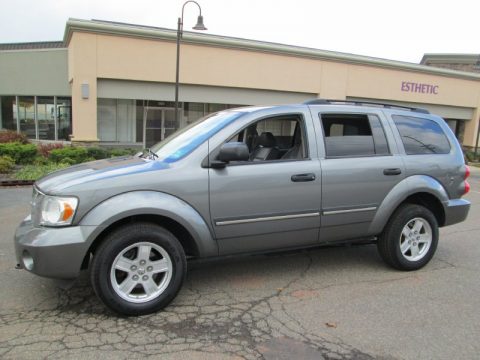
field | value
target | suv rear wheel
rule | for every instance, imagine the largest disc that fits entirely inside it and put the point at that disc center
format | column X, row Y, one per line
column 138, row 269
column 410, row 238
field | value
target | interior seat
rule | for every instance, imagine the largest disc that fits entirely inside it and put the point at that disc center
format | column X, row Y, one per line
column 265, row 148
column 296, row 151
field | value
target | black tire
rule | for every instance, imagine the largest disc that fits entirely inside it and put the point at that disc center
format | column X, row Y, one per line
column 164, row 247
column 390, row 241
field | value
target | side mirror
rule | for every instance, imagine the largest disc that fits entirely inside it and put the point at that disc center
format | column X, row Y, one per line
column 232, row 151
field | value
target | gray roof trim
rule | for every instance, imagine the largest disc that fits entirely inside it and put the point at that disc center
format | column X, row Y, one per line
column 451, row 58
column 32, row 45
column 139, row 31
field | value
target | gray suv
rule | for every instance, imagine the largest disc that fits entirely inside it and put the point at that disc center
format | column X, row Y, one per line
column 248, row 180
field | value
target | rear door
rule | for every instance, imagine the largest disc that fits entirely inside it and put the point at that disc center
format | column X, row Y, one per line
column 359, row 168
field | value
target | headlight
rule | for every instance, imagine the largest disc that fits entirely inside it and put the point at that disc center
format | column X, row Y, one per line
column 53, row 210
column 56, row 211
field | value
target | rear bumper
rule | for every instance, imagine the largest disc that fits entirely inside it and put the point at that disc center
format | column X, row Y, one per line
column 52, row 252
column 456, row 211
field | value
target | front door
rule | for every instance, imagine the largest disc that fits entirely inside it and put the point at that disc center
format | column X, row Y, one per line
column 159, row 123
column 273, row 200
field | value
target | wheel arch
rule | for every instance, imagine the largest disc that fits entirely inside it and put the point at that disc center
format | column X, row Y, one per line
column 418, row 189
column 177, row 216
column 178, row 230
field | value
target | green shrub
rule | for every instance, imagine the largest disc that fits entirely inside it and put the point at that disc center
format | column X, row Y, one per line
column 20, row 153
column 68, row 161
column 72, row 155
column 6, row 164
column 35, row 172
column 122, row 152
column 97, row 153
column 40, row 160
column 7, row 136
column 470, row 155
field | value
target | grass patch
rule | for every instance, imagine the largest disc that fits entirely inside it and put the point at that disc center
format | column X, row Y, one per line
column 35, row 172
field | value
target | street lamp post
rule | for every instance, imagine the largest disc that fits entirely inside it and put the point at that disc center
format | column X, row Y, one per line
column 198, row 26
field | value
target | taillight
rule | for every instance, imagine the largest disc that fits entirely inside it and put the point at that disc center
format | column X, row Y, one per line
column 467, row 185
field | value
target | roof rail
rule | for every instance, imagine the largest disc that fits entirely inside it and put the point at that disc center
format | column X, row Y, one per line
column 360, row 103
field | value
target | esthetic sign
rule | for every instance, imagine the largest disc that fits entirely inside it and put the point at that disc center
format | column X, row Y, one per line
column 414, row 87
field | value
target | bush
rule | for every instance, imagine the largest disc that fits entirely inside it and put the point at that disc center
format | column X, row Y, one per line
column 122, row 152
column 6, row 164
column 74, row 155
column 45, row 148
column 97, row 153
column 35, row 172
column 68, row 161
column 470, row 156
column 8, row 136
column 20, row 153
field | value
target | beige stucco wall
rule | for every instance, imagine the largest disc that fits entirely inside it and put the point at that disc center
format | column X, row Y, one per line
column 96, row 56
column 83, row 70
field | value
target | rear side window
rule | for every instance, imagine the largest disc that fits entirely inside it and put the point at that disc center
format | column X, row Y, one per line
column 421, row 136
column 351, row 135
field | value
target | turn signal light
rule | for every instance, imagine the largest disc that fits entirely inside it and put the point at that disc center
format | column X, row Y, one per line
column 467, row 187
column 467, row 171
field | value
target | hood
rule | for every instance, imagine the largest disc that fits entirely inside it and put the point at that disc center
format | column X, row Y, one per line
column 97, row 170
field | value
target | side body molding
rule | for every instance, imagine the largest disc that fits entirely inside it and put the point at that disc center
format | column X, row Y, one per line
column 408, row 186
column 152, row 203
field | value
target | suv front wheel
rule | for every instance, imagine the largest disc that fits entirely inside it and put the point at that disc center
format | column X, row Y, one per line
column 138, row 269
column 410, row 238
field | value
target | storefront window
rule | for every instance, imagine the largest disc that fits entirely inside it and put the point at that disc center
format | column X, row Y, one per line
column 193, row 112
column 211, row 108
column 26, row 115
column 46, row 118
column 116, row 120
column 64, row 118
column 8, row 113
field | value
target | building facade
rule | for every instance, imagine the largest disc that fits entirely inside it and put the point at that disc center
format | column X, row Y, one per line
column 113, row 83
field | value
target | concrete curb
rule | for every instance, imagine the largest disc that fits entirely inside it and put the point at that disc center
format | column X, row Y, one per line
column 16, row 182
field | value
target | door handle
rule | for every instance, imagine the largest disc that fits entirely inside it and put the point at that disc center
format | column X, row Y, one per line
column 303, row 177
column 395, row 171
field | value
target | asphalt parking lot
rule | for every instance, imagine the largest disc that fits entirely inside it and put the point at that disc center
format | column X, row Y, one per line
column 332, row 303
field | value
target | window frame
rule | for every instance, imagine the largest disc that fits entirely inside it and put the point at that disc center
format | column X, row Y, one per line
column 212, row 156
column 368, row 115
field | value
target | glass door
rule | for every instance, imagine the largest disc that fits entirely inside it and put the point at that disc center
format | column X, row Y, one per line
column 159, row 123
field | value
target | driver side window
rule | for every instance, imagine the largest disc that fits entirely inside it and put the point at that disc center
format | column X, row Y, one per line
column 274, row 138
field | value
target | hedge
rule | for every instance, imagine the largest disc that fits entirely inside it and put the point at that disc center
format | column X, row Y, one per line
column 6, row 164
column 20, row 153
column 71, row 155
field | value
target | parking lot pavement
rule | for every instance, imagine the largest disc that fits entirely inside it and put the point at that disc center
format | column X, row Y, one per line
column 332, row 303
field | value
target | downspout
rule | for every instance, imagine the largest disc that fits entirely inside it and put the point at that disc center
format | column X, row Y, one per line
column 478, row 135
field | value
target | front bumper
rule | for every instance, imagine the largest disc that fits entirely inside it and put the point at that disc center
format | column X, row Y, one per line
column 456, row 211
column 52, row 252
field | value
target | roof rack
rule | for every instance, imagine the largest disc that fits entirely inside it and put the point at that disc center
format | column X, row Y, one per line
column 360, row 103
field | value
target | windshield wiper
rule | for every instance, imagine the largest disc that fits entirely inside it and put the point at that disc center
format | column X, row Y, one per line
column 150, row 154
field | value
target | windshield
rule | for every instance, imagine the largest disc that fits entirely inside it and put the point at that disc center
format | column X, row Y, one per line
column 184, row 141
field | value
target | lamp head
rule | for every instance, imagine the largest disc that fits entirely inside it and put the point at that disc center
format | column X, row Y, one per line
column 199, row 25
